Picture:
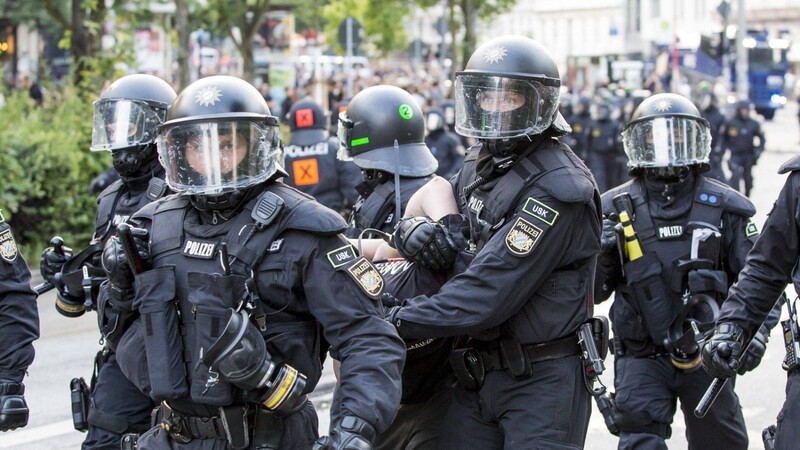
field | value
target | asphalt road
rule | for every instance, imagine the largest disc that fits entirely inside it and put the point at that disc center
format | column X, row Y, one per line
column 67, row 346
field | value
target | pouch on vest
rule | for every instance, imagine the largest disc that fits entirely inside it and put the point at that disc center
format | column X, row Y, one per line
column 644, row 277
column 113, row 319
column 155, row 300
column 713, row 282
column 211, row 296
column 132, row 357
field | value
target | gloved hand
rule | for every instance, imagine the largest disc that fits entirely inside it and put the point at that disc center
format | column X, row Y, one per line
column 425, row 242
column 115, row 263
column 351, row 433
column 755, row 351
column 721, row 352
column 53, row 259
column 13, row 409
column 608, row 237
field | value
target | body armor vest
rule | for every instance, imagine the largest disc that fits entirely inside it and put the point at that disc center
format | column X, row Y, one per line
column 378, row 209
column 112, row 211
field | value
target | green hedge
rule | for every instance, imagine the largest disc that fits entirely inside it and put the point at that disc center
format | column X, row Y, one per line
column 47, row 167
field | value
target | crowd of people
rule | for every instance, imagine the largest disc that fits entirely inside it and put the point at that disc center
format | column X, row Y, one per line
column 445, row 253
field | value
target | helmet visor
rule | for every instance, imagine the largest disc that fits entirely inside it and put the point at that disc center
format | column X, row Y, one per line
column 667, row 142
column 495, row 107
column 120, row 123
column 345, row 135
column 215, row 157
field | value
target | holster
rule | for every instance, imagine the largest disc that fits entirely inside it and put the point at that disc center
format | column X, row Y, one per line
column 155, row 300
column 650, row 291
column 515, row 358
column 79, row 394
column 267, row 429
column 467, row 364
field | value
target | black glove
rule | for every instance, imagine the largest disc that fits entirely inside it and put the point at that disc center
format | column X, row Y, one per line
column 115, row 263
column 721, row 352
column 425, row 242
column 13, row 409
column 351, row 433
column 755, row 351
column 608, row 238
column 53, row 259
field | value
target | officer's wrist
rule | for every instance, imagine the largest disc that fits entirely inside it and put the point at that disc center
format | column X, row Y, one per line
column 359, row 426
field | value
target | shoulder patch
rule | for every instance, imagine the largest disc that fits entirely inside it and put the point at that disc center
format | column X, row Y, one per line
column 750, row 229
column 708, row 198
column 342, row 256
column 522, row 237
column 540, row 211
column 366, row 277
column 8, row 247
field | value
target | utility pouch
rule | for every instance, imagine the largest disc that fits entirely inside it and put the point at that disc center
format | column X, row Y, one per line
column 155, row 300
column 516, row 359
column 113, row 319
column 467, row 364
column 79, row 395
column 708, row 281
column 267, row 429
column 212, row 295
column 234, row 421
column 650, row 292
column 600, row 334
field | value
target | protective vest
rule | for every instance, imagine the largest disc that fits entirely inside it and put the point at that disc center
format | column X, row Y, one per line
column 112, row 212
column 377, row 210
column 312, row 169
column 189, row 285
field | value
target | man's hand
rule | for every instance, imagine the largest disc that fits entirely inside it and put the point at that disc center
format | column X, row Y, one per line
column 721, row 352
column 13, row 409
column 755, row 351
column 608, row 238
column 53, row 259
column 115, row 263
column 425, row 242
column 351, row 433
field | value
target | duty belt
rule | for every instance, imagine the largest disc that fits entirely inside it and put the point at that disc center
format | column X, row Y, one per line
column 560, row 348
column 184, row 429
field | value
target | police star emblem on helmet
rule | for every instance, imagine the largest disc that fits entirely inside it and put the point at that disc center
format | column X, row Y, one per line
column 495, row 54
column 208, row 96
column 663, row 105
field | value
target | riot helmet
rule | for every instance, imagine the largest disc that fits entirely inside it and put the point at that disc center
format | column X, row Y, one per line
column 383, row 129
column 338, row 108
column 666, row 131
column 743, row 109
column 306, row 123
column 584, row 106
column 509, row 89
column 600, row 111
column 126, row 119
column 449, row 111
column 218, row 140
column 434, row 120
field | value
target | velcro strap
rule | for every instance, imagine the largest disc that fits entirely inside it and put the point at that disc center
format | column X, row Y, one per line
column 12, row 389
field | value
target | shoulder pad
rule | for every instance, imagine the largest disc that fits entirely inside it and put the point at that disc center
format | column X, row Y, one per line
column 173, row 201
column 568, row 184
column 790, row 165
column 472, row 152
column 305, row 214
column 110, row 190
column 735, row 202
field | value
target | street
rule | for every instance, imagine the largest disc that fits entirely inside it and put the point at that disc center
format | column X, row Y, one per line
column 67, row 346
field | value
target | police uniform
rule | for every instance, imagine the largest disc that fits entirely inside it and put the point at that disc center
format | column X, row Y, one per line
column 523, row 286
column 715, row 122
column 770, row 265
column 581, row 123
column 375, row 207
column 738, row 136
column 646, row 380
column 444, row 145
column 296, row 264
column 19, row 327
column 603, row 145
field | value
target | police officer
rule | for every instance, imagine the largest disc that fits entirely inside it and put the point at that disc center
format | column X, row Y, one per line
column 692, row 236
column 241, row 284
column 19, row 327
column 126, row 117
column 709, row 109
column 310, row 160
column 444, row 144
column 742, row 136
column 383, row 133
column 770, row 265
column 522, row 280
column 603, row 144
column 581, row 122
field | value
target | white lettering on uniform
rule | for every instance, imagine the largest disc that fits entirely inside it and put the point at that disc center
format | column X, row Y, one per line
column 540, row 211
column 671, row 231
column 475, row 204
column 295, row 151
column 203, row 249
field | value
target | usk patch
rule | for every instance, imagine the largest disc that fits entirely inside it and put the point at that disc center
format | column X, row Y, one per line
column 8, row 247
column 341, row 256
column 540, row 211
column 750, row 229
column 367, row 277
column 522, row 237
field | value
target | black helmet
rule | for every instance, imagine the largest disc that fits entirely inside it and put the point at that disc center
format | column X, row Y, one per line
column 666, row 130
column 126, row 118
column 743, row 108
column 600, row 111
column 376, row 119
column 306, row 123
column 434, row 120
column 219, row 138
column 509, row 89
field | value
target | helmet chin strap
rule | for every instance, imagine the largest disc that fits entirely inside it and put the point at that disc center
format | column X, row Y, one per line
column 505, row 152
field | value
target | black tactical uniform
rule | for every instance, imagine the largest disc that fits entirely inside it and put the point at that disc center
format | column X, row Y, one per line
column 604, row 145
column 666, row 287
column 310, row 160
column 138, row 102
column 377, row 119
column 248, row 283
column 444, row 144
column 742, row 136
column 580, row 122
column 19, row 327
column 710, row 111
column 522, row 285
column 770, row 265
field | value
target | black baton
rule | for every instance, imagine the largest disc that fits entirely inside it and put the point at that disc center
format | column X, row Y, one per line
column 129, row 248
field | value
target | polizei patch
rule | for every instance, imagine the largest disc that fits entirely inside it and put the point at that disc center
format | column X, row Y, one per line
column 8, row 247
column 199, row 249
column 541, row 211
column 670, row 231
column 341, row 256
column 367, row 277
column 522, row 237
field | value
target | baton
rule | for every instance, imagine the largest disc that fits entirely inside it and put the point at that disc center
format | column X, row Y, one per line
column 129, row 248
column 58, row 246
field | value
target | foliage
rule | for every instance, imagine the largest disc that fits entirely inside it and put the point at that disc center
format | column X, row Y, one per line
column 47, row 168
column 382, row 21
